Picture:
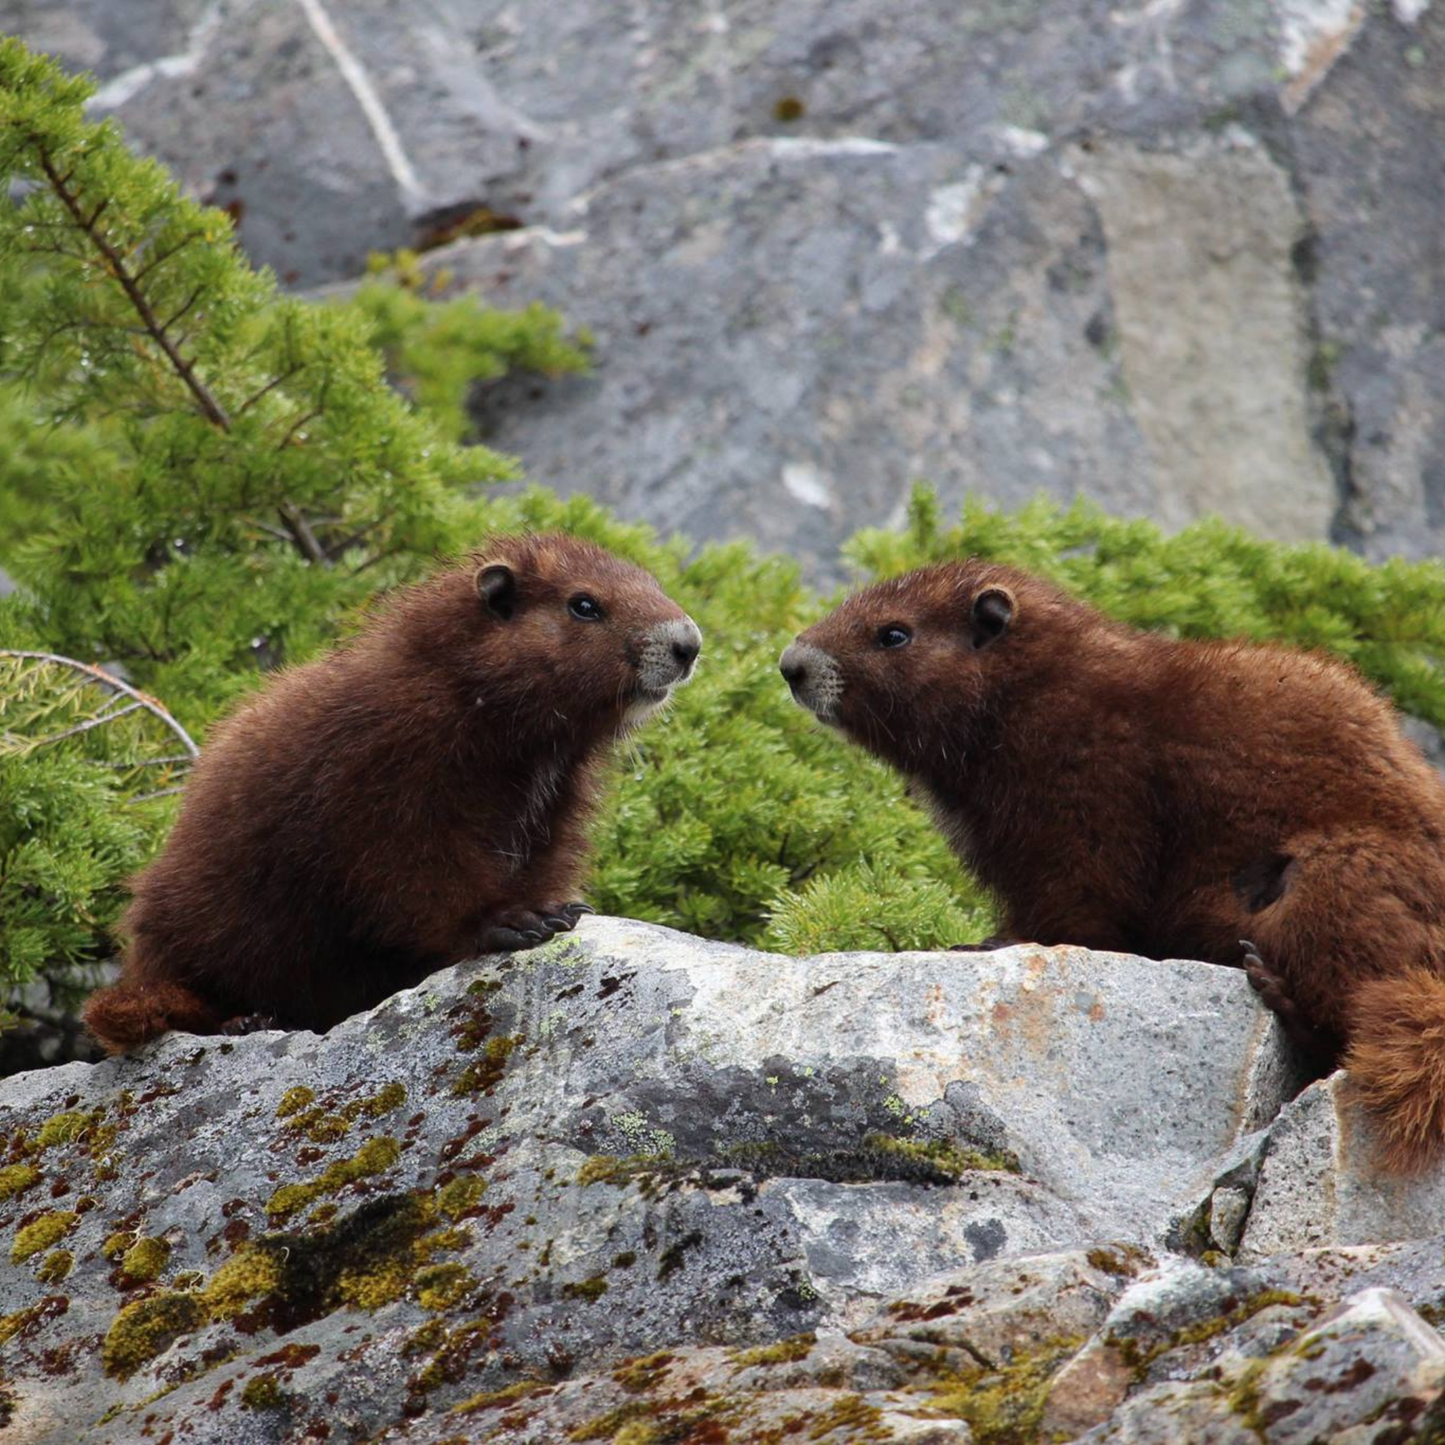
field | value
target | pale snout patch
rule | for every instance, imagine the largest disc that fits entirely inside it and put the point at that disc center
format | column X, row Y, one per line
column 815, row 678
column 665, row 661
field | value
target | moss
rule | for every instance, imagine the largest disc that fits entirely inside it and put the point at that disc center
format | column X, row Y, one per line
column 1003, row 1406
column 55, row 1267
column 484, row 1073
column 17, row 1178
column 250, row 1273
column 859, row 1422
column 642, row 1375
column 509, row 1395
column 117, row 1243
column 588, row 1289
column 440, row 1286
column 785, row 1352
column 1139, row 1357
column 24, row 1322
column 41, row 1233
column 264, row 1393
column 951, row 1160
column 294, row 1100
column 145, row 1259
column 1125, row 1260
column 612, row 1169
column 374, row 1157
column 459, row 1196
column 324, row 1127
column 63, row 1128
column 146, row 1327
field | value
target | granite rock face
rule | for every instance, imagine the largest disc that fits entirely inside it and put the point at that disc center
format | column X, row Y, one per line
column 1181, row 258
column 632, row 1176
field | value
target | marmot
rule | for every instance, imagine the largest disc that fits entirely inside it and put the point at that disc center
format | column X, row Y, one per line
column 1214, row 800
column 414, row 798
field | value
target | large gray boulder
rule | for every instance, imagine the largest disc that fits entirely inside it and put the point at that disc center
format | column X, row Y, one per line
column 1182, row 258
column 888, row 1187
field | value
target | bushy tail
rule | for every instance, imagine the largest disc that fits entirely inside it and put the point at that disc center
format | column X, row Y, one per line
column 1396, row 1058
column 132, row 1012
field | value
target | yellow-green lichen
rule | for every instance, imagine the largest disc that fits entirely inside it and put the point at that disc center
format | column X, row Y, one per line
column 508, row 1395
column 264, row 1393
column 486, row 1072
column 1125, row 1260
column 116, row 1244
column 253, row 1271
column 1139, row 1357
column 459, row 1195
column 610, row 1169
column 55, row 1267
column 948, row 1158
column 440, row 1286
column 322, row 1126
column 16, row 1178
column 1003, row 1406
column 146, row 1327
column 644, row 1374
column 145, row 1259
column 785, row 1352
column 589, row 1289
column 376, row 1156
column 62, row 1128
column 41, row 1233
column 294, row 1100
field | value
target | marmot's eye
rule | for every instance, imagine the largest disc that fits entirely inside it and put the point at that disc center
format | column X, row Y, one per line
column 894, row 635
column 585, row 607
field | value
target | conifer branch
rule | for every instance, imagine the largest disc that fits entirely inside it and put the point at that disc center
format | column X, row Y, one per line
column 95, row 674
column 184, row 368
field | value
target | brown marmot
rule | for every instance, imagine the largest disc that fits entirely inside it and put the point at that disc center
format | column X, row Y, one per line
column 1127, row 791
column 414, row 798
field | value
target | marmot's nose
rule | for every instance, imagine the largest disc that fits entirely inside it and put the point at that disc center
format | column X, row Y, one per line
column 685, row 650
column 793, row 667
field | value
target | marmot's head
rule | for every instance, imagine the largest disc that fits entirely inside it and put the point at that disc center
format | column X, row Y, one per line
column 551, row 634
column 903, row 667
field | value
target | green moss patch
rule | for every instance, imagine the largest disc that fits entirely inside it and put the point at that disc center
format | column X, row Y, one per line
column 146, row 1327
column 509, row 1395
column 485, row 1072
column 374, row 1157
column 55, row 1267
column 785, row 1352
column 17, row 1178
column 1004, row 1406
column 41, row 1233
column 322, row 1126
column 145, row 1259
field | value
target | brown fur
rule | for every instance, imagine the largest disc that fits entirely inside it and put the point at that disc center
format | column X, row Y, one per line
column 1123, row 790
column 363, row 820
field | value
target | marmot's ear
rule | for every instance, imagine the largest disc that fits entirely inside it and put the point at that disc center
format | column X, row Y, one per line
column 497, row 587
column 989, row 619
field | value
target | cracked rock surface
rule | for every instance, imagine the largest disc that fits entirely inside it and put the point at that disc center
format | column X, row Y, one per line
column 633, row 1186
column 1180, row 257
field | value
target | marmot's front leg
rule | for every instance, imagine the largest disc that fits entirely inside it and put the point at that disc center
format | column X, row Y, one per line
column 509, row 930
column 993, row 941
column 1321, row 1047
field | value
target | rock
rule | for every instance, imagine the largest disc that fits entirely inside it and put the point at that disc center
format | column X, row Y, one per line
column 623, row 1142
column 1181, row 259
column 1319, row 1184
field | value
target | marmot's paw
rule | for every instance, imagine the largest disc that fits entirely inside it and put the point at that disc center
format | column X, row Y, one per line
column 998, row 940
column 248, row 1024
column 510, row 930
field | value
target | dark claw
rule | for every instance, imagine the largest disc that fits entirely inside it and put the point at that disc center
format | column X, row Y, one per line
column 559, row 922
column 574, row 911
column 498, row 939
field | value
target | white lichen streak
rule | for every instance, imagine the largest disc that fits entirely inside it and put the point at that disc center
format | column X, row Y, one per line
column 121, row 88
column 356, row 78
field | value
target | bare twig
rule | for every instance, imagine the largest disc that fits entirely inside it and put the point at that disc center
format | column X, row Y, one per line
column 155, row 708
column 301, row 533
column 159, row 793
column 270, row 386
column 86, row 726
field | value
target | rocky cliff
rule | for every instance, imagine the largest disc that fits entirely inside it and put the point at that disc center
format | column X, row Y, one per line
column 1182, row 257
column 637, row 1187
